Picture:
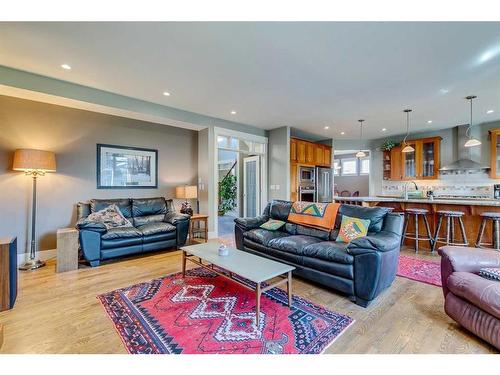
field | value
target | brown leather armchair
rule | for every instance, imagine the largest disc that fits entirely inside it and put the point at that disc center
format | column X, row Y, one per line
column 472, row 300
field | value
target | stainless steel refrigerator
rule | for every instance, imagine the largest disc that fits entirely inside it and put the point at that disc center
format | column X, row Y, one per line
column 324, row 185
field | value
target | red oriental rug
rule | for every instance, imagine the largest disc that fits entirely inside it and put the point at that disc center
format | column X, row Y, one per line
column 207, row 313
column 425, row 271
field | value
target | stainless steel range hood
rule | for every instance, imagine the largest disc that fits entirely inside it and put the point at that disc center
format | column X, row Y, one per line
column 464, row 163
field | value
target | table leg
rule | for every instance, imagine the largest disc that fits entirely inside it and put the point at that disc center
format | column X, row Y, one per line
column 289, row 289
column 190, row 232
column 206, row 230
column 183, row 264
column 257, row 305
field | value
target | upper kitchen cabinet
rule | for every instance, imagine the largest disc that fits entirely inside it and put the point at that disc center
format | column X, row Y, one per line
column 310, row 153
column 495, row 153
column 421, row 164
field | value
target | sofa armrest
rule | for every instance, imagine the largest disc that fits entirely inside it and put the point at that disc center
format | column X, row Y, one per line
column 381, row 241
column 248, row 223
column 93, row 226
column 174, row 217
column 469, row 259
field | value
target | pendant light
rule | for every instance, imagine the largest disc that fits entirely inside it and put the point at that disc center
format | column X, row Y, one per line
column 360, row 153
column 471, row 142
column 407, row 147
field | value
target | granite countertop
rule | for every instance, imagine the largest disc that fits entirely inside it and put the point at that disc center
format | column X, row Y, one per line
column 462, row 202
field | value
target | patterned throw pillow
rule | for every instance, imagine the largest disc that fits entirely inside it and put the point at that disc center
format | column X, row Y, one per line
column 352, row 228
column 110, row 216
column 490, row 273
column 272, row 224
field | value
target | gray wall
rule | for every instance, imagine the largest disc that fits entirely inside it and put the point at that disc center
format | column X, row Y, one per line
column 279, row 163
column 73, row 134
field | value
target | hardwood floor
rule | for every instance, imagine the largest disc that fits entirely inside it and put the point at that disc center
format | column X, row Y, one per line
column 59, row 313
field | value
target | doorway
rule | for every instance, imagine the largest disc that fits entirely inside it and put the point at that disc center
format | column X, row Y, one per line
column 241, row 178
column 351, row 174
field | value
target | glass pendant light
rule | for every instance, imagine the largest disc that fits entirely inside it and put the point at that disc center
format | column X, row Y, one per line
column 407, row 147
column 471, row 142
column 360, row 153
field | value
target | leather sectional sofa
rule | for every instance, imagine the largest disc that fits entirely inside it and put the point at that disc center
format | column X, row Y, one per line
column 156, row 226
column 360, row 269
column 469, row 299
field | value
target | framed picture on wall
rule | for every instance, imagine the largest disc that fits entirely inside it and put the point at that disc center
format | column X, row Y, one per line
column 122, row 167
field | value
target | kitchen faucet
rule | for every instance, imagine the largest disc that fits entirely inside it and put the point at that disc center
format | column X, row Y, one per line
column 406, row 188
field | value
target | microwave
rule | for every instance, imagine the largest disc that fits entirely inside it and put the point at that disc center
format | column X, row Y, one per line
column 306, row 175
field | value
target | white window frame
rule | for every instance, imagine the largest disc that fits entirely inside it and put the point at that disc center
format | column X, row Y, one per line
column 359, row 167
column 336, row 171
column 342, row 173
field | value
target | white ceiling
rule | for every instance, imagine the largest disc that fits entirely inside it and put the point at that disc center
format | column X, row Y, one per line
column 306, row 75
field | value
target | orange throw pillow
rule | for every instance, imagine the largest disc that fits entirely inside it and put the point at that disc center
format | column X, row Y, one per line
column 316, row 215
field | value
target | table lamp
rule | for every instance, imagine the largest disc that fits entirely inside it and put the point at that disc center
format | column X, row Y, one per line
column 186, row 192
column 33, row 163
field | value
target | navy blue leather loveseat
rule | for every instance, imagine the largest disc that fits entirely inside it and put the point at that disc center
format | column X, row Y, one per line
column 156, row 226
column 361, row 269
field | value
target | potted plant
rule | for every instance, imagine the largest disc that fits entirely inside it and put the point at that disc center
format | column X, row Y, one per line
column 227, row 194
column 388, row 145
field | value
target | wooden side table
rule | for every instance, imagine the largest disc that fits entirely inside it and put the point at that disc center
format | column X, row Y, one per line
column 194, row 226
column 67, row 249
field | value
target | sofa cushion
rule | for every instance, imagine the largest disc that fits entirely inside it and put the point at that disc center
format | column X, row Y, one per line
column 376, row 215
column 154, row 228
column 148, row 210
column 479, row 291
column 123, row 204
column 263, row 236
column 279, row 209
column 120, row 237
column 292, row 244
column 121, row 232
column 329, row 250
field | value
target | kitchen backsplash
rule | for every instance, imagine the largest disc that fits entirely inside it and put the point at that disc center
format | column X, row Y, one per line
column 478, row 184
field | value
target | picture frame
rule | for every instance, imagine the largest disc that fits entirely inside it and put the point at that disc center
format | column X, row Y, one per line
column 125, row 167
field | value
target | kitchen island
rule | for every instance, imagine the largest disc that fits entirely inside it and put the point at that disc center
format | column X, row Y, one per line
column 472, row 209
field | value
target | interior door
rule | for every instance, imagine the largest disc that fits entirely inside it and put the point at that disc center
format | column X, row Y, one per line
column 251, row 186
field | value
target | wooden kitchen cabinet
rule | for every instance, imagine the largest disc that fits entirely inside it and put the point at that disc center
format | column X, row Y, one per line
column 293, row 150
column 310, row 153
column 294, row 182
column 422, row 164
column 495, row 153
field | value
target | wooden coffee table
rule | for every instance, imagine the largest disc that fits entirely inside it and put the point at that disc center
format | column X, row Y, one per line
column 251, row 267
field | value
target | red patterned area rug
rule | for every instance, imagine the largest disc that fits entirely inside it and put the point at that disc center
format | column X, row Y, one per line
column 207, row 313
column 425, row 271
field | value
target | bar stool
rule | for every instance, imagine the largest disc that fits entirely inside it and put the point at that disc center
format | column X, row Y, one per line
column 416, row 213
column 495, row 230
column 450, row 228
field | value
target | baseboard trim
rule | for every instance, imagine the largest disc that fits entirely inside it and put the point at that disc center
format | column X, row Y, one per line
column 42, row 255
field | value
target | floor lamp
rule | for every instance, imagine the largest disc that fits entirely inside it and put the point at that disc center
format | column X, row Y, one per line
column 33, row 163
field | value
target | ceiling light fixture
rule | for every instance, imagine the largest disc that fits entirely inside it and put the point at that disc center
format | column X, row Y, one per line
column 490, row 111
column 66, row 66
column 327, row 127
column 166, row 93
column 233, row 112
column 360, row 153
column 444, row 91
column 342, row 133
column 384, row 129
column 407, row 147
column 429, row 121
column 471, row 142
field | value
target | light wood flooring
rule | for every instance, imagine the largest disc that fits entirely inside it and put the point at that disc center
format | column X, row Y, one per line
column 59, row 313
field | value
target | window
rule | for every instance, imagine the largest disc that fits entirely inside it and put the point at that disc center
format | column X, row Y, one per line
column 349, row 166
column 364, row 166
column 336, row 168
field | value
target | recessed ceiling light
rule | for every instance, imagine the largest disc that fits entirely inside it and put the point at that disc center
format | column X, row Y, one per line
column 342, row 133
column 327, row 127
column 166, row 93
column 490, row 111
column 66, row 66
column 444, row 91
column 233, row 112
column 429, row 121
column 384, row 129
